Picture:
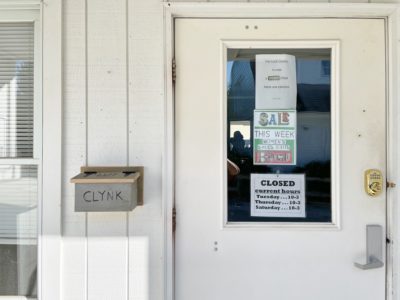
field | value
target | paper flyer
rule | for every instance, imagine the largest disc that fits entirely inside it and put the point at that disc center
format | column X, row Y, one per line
column 276, row 85
column 274, row 137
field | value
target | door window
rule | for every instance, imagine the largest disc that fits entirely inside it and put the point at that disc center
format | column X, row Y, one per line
column 20, row 158
column 279, row 172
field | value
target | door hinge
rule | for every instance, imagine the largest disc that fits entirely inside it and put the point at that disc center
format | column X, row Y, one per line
column 173, row 70
column 390, row 184
column 174, row 219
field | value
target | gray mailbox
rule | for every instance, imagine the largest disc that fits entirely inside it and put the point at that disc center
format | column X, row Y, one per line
column 108, row 189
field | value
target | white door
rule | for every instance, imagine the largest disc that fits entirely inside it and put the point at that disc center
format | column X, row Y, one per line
column 226, row 246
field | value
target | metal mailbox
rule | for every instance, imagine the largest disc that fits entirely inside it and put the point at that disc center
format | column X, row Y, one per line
column 102, row 189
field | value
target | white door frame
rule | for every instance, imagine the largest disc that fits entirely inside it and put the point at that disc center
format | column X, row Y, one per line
column 389, row 12
column 49, row 73
column 50, row 235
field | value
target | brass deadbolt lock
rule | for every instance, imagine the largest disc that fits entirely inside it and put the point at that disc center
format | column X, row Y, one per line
column 373, row 182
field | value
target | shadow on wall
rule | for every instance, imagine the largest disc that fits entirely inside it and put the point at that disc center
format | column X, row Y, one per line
column 107, row 260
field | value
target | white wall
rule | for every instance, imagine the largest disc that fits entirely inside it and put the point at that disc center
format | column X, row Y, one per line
column 303, row 1
column 113, row 115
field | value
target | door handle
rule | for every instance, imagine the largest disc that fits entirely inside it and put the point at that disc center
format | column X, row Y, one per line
column 374, row 248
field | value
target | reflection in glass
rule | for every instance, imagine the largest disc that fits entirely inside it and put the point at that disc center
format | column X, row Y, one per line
column 16, row 90
column 18, row 230
column 313, row 67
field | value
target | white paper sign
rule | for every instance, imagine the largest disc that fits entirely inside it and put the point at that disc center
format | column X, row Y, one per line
column 276, row 85
column 280, row 195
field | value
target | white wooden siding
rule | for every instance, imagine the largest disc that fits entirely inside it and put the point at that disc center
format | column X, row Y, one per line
column 303, row 1
column 113, row 115
column 74, row 263
column 107, row 142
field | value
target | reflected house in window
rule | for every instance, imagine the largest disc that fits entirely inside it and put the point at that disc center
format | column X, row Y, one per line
column 17, row 111
column 19, row 181
column 18, row 230
column 313, row 106
column 313, row 128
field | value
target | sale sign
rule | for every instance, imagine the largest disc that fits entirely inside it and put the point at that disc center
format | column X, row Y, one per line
column 274, row 140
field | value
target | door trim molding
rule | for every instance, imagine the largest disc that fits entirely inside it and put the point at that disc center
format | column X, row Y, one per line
column 51, row 230
column 389, row 12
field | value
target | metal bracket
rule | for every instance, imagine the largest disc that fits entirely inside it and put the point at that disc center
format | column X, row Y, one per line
column 173, row 70
column 390, row 184
column 174, row 219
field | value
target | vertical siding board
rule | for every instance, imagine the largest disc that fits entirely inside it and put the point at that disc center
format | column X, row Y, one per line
column 227, row 1
column 309, row 1
column 304, row 1
column 107, row 143
column 346, row 1
column 74, row 129
column 384, row 1
column 146, row 96
column 269, row 1
column 239, row 1
column 146, row 259
column 188, row 1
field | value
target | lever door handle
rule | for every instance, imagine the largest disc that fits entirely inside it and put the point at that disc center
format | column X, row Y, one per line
column 373, row 263
column 374, row 248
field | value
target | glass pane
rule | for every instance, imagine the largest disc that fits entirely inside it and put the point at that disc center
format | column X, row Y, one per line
column 312, row 115
column 18, row 230
column 16, row 89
